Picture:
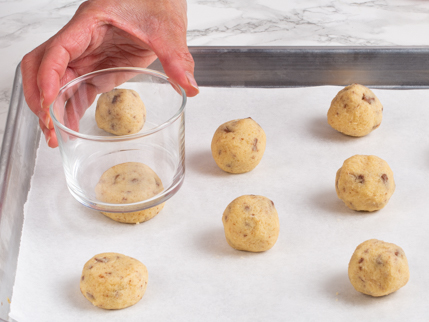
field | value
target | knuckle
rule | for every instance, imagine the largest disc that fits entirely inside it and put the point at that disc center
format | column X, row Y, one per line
column 186, row 57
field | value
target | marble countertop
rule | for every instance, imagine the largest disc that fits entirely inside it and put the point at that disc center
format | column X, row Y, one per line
column 24, row 24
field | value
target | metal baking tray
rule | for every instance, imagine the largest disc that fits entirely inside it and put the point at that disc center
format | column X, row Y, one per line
column 377, row 67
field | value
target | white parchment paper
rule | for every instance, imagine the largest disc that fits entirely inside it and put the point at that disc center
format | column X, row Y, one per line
column 193, row 274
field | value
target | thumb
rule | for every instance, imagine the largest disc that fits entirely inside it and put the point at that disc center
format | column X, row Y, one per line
column 179, row 65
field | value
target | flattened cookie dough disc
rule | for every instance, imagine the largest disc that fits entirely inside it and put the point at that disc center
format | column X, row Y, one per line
column 238, row 145
column 378, row 268
column 127, row 183
column 113, row 281
column 365, row 183
column 251, row 223
column 120, row 112
column 355, row 111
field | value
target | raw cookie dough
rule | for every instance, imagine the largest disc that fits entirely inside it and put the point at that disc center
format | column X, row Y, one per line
column 120, row 112
column 251, row 223
column 238, row 145
column 355, row 111
column 127, row 183
column 378, row 268
column 113, row 281
column 365, row 183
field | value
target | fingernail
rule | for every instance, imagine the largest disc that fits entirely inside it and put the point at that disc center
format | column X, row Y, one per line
column 42, row 99
column 47, row 134
column 192, row 81
column 44, row 117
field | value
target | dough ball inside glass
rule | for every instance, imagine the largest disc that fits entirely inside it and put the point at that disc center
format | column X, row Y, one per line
column 378, row 268
column 355, row 111
column 365, row 183
column 251, row 223
column 127, row 183
column 120, row 112
column 238, row 145
column 113, row 281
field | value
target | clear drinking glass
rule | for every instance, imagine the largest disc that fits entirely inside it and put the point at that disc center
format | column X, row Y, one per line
column 88, row 151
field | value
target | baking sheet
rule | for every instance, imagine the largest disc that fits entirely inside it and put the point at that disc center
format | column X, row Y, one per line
column 193, row 274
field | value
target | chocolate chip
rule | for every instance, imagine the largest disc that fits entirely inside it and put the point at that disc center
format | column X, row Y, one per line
column 397, row 253
column 116, row 178
column 82, row 278
column 360, row 178
column 115, row 99
column 367, row 99
column 360, row 260
column 227, row 129
column 102, row 260
column 255, row 145
column 384, row 177
column 244, row 235
column 135, row 180
column 379, row 261
column 90, row 296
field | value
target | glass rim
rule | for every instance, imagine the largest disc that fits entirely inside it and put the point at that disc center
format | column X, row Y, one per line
column 121, row 137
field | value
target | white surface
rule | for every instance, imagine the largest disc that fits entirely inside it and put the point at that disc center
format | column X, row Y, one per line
column 193, row 274
column 24, row 24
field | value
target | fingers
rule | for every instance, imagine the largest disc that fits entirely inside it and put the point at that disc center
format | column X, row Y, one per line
column 178, row 64
column 29, row 68
column 52, row 69
column 50, row 136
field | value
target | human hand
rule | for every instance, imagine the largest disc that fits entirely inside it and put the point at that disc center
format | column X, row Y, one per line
column 104, row 34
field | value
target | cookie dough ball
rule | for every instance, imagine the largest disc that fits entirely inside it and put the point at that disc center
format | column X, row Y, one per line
column 251, row 223
column 120, row 112
column 355, row 111
column 365, row 183
column 127, row 183
column 378, row 268
column 238, row 145
column 113, row 281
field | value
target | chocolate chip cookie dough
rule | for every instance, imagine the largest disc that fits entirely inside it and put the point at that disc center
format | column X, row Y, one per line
column 378, row 268
column 120, row 112
column 365, row 183
column 355, row 111
column 251, row 223
column 238, row 145
column 113, row 281
column 127, row 183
